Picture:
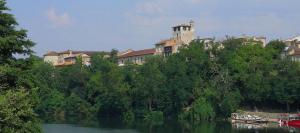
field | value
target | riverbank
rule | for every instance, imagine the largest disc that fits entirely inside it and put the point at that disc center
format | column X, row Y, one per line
column 271, row 116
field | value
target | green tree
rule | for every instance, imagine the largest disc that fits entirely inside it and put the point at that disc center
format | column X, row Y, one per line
column 276, row 45
column 77, row 109
column 16, row 106
column 16, row 113
column 285, row 83
column 250, row 66
column 113, row 56
column 12, row 42
column 150, row 82
column 107, row 89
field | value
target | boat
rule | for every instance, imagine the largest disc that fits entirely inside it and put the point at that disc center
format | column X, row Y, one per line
column 250, row 119
column 291, row 120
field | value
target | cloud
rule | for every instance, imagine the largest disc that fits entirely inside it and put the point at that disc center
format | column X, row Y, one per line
column 58, row 20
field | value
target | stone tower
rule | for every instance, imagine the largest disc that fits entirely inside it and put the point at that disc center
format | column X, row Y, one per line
column 184, row 33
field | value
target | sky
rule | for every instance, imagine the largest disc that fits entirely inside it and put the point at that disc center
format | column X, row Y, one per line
column 102, row 25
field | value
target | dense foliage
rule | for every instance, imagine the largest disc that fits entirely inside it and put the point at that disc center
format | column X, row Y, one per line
column 17, row 96
column 195, row 84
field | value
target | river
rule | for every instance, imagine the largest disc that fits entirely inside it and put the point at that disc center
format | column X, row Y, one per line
column 168, row 127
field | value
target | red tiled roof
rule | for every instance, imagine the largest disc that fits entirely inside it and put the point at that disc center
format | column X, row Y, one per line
column 51, row 53
column 168, row 42
column 83, row 52
column 138, row 53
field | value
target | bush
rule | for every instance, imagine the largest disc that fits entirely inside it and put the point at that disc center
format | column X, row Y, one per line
column 230, row 104
column 154, row 117
column 200, row 110
column 16, row 113
column 77, row 108
column 128, row 116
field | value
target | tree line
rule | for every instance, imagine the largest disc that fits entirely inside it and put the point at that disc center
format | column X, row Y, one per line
column 194, row 84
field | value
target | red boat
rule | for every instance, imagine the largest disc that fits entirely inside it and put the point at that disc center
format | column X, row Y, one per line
column 291, row 120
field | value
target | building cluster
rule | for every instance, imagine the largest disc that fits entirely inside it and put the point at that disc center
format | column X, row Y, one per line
column 292, row 49
column 182, row 35
column 69, row 57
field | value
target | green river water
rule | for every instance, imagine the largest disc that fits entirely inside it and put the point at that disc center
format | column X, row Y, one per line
column 168, row 127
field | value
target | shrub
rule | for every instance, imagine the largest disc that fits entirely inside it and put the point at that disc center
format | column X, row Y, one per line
column 199, row 110
column 128, row 116
column 154, row 117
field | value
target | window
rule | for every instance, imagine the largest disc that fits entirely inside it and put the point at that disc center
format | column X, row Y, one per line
column 168, row 50
column 184, row 28
column 174, row 29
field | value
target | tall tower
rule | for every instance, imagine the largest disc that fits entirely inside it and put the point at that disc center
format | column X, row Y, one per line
column 184, row 33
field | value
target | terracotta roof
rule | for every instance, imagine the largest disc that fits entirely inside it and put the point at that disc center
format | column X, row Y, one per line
column 51, row 53
column 124, row 52
column 79, row 52
column 138, row 53
column 168, row 42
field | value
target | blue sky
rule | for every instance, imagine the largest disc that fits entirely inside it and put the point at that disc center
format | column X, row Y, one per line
column 122, row 24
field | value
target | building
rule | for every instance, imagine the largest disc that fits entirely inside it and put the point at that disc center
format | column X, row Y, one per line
column 209, row 43
column 292, row 49
column 292, row 41
column 252, row 39
column 136, row 57
column 183, row 34
column 69, row 57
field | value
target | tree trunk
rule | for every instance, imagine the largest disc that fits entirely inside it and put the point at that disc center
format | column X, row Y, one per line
column 254, row 107
column 287, row 107
column 150, row 104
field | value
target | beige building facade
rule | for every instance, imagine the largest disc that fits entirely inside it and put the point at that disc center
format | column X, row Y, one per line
column 136, row 57
column 183, row 34
column 292, row 49
column 249, row 40
column 68, row 57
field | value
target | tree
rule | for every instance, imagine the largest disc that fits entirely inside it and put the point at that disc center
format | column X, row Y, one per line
column 276, row 45
column 250, row 66
column 17, row 113
column 150, row 82
column 77, row 109
column 106, row 87
column 12, row 42
column 230, row 45
column 113, row 56
column 285, row 83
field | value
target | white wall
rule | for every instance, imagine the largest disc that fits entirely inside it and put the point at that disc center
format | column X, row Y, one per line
column 51, row 59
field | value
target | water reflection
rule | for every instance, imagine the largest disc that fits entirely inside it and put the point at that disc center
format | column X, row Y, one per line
column 116, row 126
